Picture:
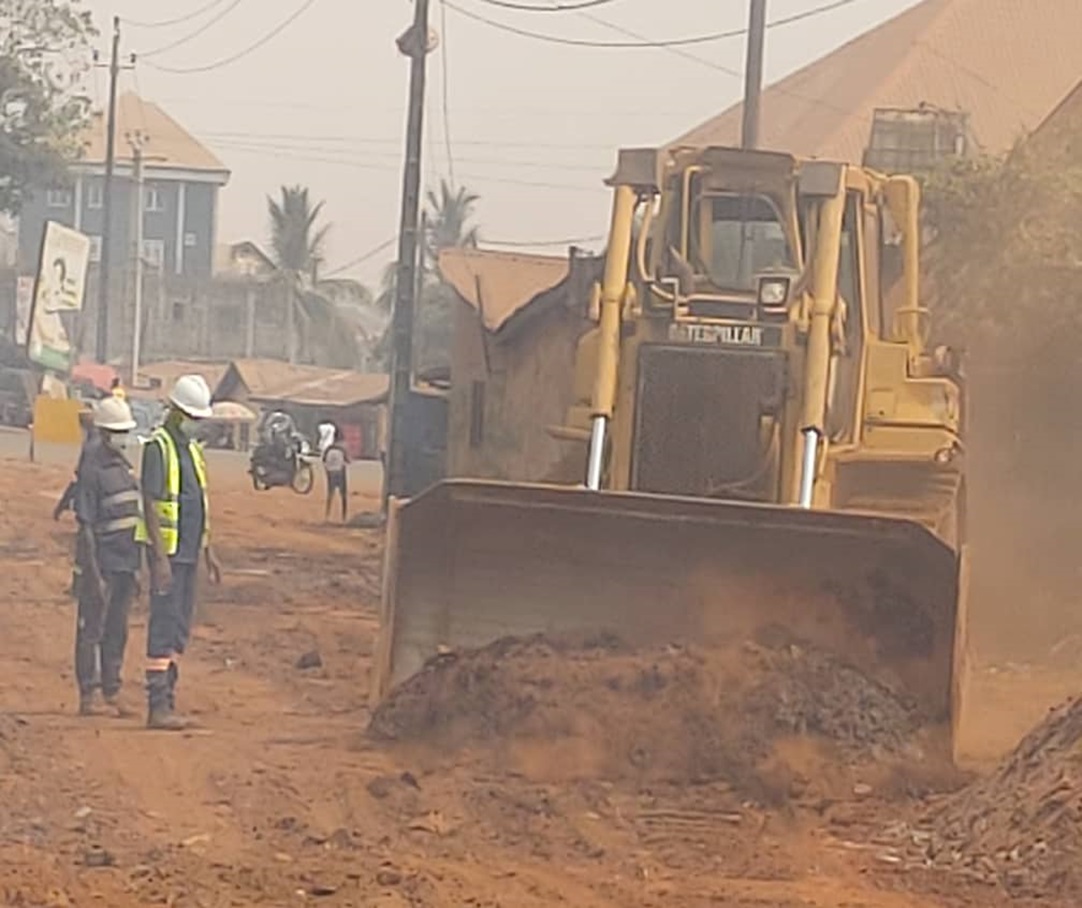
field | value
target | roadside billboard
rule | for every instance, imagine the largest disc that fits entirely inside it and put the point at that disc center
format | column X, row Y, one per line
column 59, row 287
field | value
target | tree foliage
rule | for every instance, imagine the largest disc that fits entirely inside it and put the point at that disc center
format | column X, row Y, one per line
column 44, row 52
column 296, row 243
column 449, row 213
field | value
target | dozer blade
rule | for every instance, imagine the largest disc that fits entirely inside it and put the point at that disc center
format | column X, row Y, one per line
column 469, row 562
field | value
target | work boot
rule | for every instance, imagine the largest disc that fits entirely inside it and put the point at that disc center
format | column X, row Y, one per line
column 117, row 708
column 166, row 720
column 88, row 706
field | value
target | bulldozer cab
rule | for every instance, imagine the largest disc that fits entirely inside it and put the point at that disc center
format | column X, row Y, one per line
column 765, row 439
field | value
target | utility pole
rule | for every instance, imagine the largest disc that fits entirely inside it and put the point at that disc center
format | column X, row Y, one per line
column 107, row 195
column 753, row 74
column 414, row 43
column 136, row 140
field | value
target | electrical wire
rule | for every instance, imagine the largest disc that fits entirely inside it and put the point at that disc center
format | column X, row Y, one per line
column 721, row 67
column 671, row 42
column 557, row 8
column 366, row 140
column 226, row 61
column 444, row 92
column 363, row 257
column 345, row 156
column 541, row 244
column 391, row 168
column 191, row 36
column 179, row 20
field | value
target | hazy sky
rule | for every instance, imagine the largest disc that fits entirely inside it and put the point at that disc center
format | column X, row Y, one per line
column 533, row 126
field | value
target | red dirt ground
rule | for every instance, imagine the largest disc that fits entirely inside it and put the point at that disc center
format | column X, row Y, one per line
column 281, row 798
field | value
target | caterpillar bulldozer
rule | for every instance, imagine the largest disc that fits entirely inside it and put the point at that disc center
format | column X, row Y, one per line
column 766, row 439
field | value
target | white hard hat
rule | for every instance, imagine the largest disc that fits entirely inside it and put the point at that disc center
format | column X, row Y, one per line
column 113, row 415
column 192, row 396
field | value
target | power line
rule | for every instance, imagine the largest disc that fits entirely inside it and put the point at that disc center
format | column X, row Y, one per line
column 363, row 257
column 385, row 168
column 346, row 155
column 367, row 140
column 721, row 67
column 191, row 36
column 671, row 42
column 541, row 244
column 444, row 92
column 225, row 61
column 179, row 20
column 557, row 8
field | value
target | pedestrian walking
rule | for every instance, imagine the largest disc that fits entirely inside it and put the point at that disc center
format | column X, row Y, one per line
column 336, row 464
column 108, row 557
column 177, row 511
column 328, row 433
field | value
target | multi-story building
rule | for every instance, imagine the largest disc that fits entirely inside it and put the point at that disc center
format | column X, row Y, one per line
column 182, row 179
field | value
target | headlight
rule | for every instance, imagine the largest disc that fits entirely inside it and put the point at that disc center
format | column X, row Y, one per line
column 773, row 292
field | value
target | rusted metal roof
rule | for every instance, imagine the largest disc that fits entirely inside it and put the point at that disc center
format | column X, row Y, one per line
column 499, row 284
column 1006, row 63
column 167, row 372
column 269, row 380
column 169, row 145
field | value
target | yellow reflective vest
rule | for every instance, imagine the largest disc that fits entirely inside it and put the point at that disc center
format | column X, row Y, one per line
column 168, row 507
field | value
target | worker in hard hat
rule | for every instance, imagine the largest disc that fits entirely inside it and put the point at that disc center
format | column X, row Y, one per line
column 174, row 478
column 108, row 557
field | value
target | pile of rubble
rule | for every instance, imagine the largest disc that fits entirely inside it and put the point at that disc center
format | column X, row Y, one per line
column 1021, row 827
column 672, row 712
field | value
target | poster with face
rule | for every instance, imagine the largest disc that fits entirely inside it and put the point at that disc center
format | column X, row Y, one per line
column 60, row 287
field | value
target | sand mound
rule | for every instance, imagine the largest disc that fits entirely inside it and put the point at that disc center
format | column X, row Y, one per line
column 1022, row 826
column 672, row 712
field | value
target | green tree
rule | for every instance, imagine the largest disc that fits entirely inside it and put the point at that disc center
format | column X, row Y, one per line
column 43, row 54
column 318, row 330
column 296, row 243
column 449, row 213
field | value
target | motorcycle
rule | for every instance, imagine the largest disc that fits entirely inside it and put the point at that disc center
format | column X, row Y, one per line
column 282, row 458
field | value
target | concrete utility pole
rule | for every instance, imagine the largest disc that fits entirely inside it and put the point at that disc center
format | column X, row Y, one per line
column 753, row 74
column 102, row 346
column 136, row 140
column 414, row 43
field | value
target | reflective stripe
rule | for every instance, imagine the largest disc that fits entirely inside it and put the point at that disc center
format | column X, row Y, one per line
column 121, row 498
column 158, row 665
column 168, row 507
column 115, row 526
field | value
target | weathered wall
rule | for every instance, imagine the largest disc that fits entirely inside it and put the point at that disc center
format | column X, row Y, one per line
column 524, row 385
column 182, row 318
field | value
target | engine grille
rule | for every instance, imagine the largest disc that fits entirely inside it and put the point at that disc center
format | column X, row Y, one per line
column 697, row 428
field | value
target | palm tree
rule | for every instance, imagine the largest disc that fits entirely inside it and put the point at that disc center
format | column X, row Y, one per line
column 448, row 213
column 297, row 248
column 296, row 244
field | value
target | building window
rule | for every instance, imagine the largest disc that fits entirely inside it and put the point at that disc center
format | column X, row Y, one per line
column 95, row 248
column 95, row 195
column 477, row 414
column 189, row 241
column 154, row 253
column 153, row 199
column 915, row 141
column 178, row 311
column 58, row 198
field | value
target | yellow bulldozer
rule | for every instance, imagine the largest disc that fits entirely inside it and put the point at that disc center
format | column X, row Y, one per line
column 766, row 440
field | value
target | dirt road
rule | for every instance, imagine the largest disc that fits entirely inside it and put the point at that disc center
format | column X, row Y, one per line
column 279, row 798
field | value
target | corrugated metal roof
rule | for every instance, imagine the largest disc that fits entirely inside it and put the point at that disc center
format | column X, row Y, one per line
column 499, row 284
column 169, row 145
column 168, row 371
column 271, row 380
column 1006, row 63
